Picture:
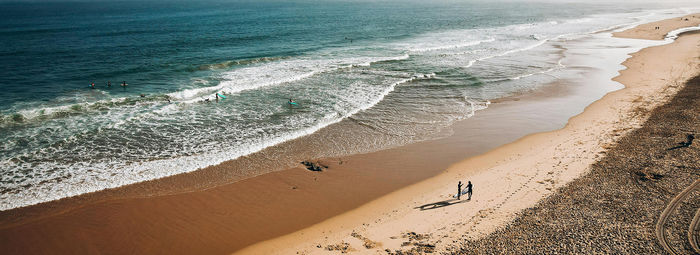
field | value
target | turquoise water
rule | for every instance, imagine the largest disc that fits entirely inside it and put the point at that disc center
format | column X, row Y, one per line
column 400, row 68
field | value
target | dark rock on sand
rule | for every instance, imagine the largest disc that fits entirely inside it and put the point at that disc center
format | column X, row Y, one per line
column 312, row 166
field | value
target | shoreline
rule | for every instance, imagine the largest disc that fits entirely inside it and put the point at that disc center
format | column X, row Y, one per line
column 639, row 198
column 130, row 204
column 305, row 184
column 397, row 228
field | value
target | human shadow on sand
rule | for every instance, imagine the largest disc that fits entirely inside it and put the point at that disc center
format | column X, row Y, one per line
column 685, row 144
column 440, row 204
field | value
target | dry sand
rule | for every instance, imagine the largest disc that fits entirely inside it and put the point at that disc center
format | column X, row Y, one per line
column 643, row 193
column 423, row 217
column 175, row 215
column 137, row 218
column 649, row 31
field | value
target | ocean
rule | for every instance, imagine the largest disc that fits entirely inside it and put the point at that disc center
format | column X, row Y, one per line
column 400, row 70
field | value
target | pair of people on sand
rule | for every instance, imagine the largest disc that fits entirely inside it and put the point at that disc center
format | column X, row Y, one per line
column 468, row 190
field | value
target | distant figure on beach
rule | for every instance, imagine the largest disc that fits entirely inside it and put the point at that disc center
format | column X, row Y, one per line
column 690, row 138
column 469, row 190
column 686, row 144
column 92, row 85
column 459, row 190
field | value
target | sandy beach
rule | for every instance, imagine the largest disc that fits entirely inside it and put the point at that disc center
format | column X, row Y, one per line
column 640, row 198
column 394, row 200
column 424, row 218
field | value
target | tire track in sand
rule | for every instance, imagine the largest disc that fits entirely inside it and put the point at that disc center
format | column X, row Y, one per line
column 672, row 206
column 694, row 232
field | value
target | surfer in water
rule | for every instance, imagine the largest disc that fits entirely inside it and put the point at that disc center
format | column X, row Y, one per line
column 292, row 101
column 92, row 85
column 124, row 84
column 109, row 84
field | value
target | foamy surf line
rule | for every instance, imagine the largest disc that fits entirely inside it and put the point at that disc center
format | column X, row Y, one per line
column 545, row 72
column 541, row 41
column 526, row 48
column 282, row 72
column 453, row 46
column 149, row 170
column 231, row 85
column 673, row 35
column 49, row 112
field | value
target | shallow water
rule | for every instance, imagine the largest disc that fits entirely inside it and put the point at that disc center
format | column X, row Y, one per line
column 402, row 71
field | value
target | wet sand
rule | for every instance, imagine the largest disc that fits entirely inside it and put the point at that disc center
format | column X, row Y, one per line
column 617, row 207
column 201, row 213
column 229, row 217
column 508, row 179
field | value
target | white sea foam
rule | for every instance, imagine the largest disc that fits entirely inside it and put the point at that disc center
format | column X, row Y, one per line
column 233, row 82
column 154, row 169
column 540, row 29
column 475, row 106
column 508, row 52
column 49, row 111
column 451, row 45
column 366, row 87
column 276, row 73
column 546, row 71
column 673, row 35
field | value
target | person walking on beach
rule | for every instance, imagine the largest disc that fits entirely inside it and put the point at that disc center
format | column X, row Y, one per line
column 459, row 190
column 469, row 190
